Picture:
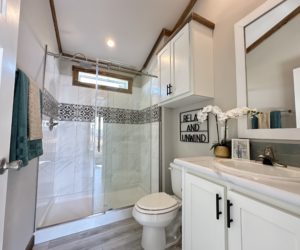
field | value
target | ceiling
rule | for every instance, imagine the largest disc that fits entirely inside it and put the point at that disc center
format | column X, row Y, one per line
column 134, row 25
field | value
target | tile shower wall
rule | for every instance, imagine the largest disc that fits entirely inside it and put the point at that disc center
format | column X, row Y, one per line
column 285, row 152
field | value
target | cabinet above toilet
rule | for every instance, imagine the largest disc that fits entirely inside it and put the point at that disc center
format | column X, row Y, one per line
column 185, row 64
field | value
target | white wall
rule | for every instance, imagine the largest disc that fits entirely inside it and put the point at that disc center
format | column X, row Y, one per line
column 224, row 13
column 270, row 69
column 36, row 30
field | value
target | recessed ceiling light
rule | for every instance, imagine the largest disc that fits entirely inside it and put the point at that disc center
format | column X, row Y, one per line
column 110, row 43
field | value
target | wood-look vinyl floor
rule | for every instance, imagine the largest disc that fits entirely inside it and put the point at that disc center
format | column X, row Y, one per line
column 123, row 235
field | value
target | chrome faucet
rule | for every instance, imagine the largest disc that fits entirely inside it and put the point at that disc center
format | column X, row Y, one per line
column 268, row 158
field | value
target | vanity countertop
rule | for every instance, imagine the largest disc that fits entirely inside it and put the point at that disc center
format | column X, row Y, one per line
column 284, row 191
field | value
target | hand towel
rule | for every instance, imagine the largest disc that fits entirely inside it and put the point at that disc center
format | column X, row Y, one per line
column 18, row 140
column 21, row 148
column 34, row 112
column 275, row 119
column 264, row 120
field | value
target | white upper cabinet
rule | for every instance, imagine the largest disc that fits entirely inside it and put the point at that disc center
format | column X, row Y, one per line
column 165, row 71
column 181, row 62
column 186, row 65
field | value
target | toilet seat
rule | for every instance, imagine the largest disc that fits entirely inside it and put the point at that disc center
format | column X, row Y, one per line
column 157, row 203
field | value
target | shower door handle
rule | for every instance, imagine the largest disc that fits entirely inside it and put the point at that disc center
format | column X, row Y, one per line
column 99, row 134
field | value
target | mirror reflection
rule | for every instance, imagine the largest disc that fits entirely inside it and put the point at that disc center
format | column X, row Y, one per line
column 273, row 67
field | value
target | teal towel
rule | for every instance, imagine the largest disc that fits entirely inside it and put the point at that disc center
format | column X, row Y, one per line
column 254, row 122
column 275, row 119
column 20, row 147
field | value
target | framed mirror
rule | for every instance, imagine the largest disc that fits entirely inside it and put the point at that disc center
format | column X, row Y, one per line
column 268, row 70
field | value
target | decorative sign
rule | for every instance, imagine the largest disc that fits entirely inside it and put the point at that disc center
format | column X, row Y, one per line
column 191, row 130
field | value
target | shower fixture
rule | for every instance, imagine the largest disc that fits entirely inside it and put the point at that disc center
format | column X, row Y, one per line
column 87, row 63
column 51, row 124
column 83, row 63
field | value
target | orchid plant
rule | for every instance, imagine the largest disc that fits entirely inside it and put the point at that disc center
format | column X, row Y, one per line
column 223, row 118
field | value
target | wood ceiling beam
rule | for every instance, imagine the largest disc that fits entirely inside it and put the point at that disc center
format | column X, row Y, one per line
column 166, row 32
column 269, row 33
column 163, row 33
column 192, row 16
column 54, row 18
column 185, row 13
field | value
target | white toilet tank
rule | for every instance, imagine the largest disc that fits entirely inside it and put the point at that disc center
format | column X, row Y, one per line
column 176, row 179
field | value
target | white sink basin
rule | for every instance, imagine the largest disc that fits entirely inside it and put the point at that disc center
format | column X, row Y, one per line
column 258, row 170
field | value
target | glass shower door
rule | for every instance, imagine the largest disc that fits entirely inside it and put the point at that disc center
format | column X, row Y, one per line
column 68, row 170
column 98, row 156
column 124, row 139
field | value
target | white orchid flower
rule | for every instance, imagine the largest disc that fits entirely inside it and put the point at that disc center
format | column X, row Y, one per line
column 222, row 117
column 238, row 112
column 202, row 116
column 216, row 110
column 207, row 109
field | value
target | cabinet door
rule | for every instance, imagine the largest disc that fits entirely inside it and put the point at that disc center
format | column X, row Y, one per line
column 164, row 64
column 259, row 226
column 201, row 228
column 181, row 62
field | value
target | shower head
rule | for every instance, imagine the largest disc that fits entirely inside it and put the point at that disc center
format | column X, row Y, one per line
column 83, row 63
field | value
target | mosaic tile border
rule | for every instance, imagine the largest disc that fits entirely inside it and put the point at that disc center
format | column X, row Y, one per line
column 86, row 113
column 50, row 105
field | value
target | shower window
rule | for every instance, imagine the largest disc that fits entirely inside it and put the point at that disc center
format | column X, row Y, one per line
column 106, row 80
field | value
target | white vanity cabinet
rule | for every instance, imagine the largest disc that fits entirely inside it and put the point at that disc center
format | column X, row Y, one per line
column 204, row 214
column 186, row 66
column 243, row 222
column 258, row 226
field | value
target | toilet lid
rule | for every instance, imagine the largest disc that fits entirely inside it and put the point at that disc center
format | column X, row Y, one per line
column 157, row 201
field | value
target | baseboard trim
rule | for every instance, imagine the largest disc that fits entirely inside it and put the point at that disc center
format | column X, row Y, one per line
column 30, row 244
column 93, row 221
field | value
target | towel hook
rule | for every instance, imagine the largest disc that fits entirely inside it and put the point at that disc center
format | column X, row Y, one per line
column 14, row 165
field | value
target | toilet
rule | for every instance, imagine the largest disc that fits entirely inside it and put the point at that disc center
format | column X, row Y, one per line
column 155, row 212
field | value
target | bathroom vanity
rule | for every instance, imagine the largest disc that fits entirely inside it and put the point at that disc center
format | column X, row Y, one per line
column 230, row 204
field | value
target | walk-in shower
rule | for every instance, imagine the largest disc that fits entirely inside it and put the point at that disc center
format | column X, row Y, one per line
column 98, row 141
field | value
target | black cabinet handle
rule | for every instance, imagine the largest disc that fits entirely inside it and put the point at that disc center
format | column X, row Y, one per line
column 218, row 212
column 229, row 220
column 170, row 89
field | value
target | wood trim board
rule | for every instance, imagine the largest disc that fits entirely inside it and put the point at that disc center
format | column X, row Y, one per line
column 195, row 17
column 30, row 244
column 185, row 13
column 54, row 17
column 76, row 82
column 275, row 28
column 164, row 32
column 169, row 32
